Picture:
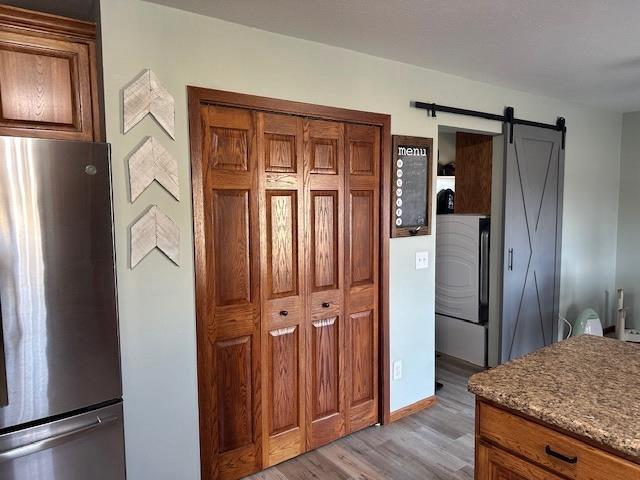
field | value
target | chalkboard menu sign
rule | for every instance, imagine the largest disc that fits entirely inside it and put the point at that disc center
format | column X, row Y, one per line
column 411, row 188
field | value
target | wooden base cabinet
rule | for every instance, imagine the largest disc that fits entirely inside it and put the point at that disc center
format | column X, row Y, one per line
column 287, row 225
column 511, row 447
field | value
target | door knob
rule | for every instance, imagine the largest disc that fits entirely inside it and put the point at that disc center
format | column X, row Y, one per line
column 326, row 305
column 284, row 313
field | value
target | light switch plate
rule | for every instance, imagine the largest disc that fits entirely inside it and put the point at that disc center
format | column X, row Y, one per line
column 397, row 370
column 422, row 260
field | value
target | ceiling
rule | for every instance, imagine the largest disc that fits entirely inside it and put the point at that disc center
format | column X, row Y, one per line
column 79, row 9
column 587, row 51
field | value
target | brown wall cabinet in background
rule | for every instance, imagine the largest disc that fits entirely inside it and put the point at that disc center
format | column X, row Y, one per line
column 48, row 79
column 291, row 238
column 473, row 173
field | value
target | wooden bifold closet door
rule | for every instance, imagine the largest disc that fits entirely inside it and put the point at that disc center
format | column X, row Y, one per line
column 288, row 342
column 280, row 140
column 229, row 370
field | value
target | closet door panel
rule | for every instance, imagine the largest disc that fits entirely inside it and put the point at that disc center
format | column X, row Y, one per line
column 232, row 275
column 361, row 214
column 229, row 356
column 325, row 363
column 233, row 358
column 324, row 240
column 280, row 146
column 362, row 226
column 324, row 193
column 282, row 243
column 362, row 357
column 283, row 384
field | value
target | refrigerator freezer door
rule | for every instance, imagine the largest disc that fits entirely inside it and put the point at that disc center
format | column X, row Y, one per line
column 86, row 446
column 57, row 288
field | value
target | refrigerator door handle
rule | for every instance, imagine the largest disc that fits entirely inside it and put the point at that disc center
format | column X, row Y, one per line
column 50, row 442
column 484, row 268
column 4, row 391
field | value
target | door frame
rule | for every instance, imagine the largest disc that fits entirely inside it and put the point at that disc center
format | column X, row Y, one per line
column 198, row 96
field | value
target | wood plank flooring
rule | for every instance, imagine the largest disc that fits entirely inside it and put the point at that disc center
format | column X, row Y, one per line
column 436, row 443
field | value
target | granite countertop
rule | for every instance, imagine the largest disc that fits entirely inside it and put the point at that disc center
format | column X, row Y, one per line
column 587, row 385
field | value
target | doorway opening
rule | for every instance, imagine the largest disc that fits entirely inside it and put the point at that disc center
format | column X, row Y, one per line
column 469, row 189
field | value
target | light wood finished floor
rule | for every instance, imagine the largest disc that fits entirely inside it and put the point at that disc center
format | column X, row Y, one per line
column 433, row 444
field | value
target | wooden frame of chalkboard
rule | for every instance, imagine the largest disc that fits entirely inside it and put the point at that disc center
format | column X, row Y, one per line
column 411, row 179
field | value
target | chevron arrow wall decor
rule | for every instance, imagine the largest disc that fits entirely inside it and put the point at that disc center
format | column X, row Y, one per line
column 155, row 230
column 151, row 161
column 146, row 95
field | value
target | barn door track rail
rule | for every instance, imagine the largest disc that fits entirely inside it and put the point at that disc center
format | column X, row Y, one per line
column 508, row 117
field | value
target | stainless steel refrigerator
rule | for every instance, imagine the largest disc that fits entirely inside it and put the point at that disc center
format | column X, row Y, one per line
column 60, row 383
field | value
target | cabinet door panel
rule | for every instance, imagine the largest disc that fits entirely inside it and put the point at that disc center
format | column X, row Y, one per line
column 474, row 156
column 362, row 237
column 48, row 98
column 229, row 351
column 46, row 87
column 280, row 147
column 324, row 192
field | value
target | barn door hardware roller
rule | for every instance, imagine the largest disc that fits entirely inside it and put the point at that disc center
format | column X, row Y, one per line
column 508, row 117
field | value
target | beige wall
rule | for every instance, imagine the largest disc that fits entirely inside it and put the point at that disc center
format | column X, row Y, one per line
column 156, row 300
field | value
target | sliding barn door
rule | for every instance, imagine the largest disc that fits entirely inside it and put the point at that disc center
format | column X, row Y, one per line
column 229, row 353
column 280, row 147
column 362, row 227
column 534, row 165
column 324, row 175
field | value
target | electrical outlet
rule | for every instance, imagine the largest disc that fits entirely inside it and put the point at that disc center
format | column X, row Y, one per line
column 422, row 260
column 397, row 370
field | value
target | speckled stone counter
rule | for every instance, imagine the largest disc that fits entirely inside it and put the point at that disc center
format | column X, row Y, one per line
column 587, row 385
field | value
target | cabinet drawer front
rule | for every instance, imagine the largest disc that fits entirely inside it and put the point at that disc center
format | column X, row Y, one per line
column 496, row 464
column 556, row 451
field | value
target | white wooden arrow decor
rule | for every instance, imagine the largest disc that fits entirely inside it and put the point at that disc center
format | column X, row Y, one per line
column 151, row 161
column 155, row 230
column 146, row 95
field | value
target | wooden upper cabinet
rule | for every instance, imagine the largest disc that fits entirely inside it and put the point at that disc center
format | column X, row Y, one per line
column 48, row 81
column 473, row 173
